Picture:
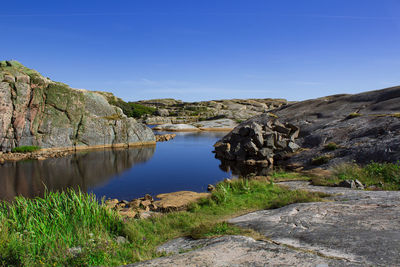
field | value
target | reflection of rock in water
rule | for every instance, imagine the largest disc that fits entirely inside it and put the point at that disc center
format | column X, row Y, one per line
column 81, row 170
column 240, row 169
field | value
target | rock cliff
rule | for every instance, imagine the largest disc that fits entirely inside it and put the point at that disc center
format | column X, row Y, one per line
column 37, row 111
column 341, row 128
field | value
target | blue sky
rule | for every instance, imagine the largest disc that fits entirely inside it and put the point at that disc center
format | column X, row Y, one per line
column 208, row 49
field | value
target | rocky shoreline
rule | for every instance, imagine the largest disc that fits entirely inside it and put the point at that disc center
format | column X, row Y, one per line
column 146, row 207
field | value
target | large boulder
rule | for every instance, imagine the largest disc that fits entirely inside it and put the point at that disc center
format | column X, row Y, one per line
column 252, row 142
column 37, row 111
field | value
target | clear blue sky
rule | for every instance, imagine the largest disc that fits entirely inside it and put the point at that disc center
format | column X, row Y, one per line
column 208, row 49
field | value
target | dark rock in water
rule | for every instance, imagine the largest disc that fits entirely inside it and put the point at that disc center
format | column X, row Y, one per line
column 255, row 143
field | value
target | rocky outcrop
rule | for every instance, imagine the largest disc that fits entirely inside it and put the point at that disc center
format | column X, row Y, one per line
column 144, row 207
column 343, row 128
column 360, row 227
column 212, row 125
column 37, row 111
column 177, row 111
column 164, row 137
column 253, row 142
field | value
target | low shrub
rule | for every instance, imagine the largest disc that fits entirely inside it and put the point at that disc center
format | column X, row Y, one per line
column 331, row 146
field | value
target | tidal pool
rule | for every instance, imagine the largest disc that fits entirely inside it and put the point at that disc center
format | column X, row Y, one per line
column 184, row 163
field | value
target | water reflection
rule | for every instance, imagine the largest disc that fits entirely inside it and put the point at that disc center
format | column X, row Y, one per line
column 81, row 170
column 240, row 169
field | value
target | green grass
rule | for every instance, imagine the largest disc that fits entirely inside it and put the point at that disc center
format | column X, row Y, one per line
column 353, row 115
column 331, row 146
column 132, row 109
column 25, row 149
column 42, row 230
column 381, row 175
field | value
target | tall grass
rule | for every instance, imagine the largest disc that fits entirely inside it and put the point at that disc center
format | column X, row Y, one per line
column 72, row 228
column 42, row 230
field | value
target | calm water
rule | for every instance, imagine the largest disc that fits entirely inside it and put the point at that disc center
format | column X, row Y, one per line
column 184, row 163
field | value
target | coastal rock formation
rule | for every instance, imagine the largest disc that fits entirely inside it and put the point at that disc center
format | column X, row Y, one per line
column 212, row 125
column 164, row 137
column 178, row 112
column 342, row 128
column 258, row 142
column 37, row 111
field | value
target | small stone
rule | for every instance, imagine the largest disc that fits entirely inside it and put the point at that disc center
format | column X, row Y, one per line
column 145, row 203
column 148, row 197
column 144, row 215
column 359, row 185
column 2, row 161
column 121, row 240
column 75, row 251
column 126, row 212
column 210, row 188
column 135, row 203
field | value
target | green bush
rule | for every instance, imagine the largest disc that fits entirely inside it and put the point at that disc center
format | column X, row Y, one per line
column 25, row 149
column 331, row 146
column 132, row 109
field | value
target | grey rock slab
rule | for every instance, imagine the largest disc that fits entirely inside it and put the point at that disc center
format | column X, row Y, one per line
column 360, row 226
column 237, row 251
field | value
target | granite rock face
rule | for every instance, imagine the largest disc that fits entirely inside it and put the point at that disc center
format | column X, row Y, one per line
column 236, row 251
column 359, row 226
column 37, row 111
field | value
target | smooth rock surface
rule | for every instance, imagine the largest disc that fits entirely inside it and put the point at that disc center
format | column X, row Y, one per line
column 360, row 226
column 176, row 128
column 237, row 251
column 176, row 201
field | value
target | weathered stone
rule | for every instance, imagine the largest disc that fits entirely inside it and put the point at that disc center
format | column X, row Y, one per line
column 359, row 227
column 348, row 184
column 210, row 188
column 135, row 203
column 177, row 200
column 236, row 251
column 145, row 203
column 127, row 212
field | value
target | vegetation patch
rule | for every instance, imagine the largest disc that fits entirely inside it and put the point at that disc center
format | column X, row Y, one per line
column 132, row 109
column 385, row 176
column 72, row 228
column 331, row 146
column 25, row 149
column 353, row 115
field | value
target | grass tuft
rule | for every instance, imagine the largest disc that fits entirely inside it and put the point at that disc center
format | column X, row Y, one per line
column 25, row 149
